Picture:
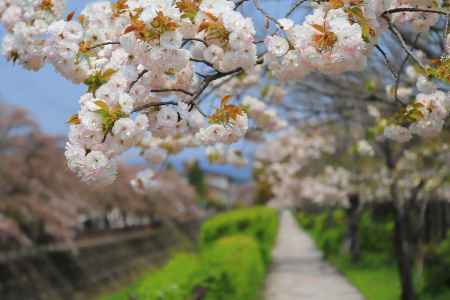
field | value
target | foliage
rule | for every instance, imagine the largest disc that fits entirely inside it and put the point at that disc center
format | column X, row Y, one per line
column 229, row 265
column 260, row 223
column 437, row 276
column 328, row 229
column 232, row 268
column 171, row 282
column 375, row 236
column 196, row 178
column 373, row 277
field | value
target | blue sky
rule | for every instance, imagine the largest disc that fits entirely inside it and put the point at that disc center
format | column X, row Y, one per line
column 51, row 99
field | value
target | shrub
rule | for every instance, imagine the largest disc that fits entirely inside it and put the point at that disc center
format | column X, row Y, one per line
column 437, row 275
column 232, row 268
column 231, row 264
column 260, row 223
column 306, row 220
column 376, row 236
column 171, row 282
column 330, row 241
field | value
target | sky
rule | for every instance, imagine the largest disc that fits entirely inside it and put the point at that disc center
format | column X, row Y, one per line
column 51, row 99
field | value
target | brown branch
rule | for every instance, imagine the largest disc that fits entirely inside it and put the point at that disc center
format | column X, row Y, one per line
column 173, row 90
column 149, row 105
column 212, row 78
column 445, row 32
column 400, row 71
column 413, row 9
column 140, row 75
column 102, row 45
column 386, row 60
column 294, row 8
column 266, row 14
column 239, row 3
column 287, row 15
column 186, row 41
column 403, row 44
column 203, row 62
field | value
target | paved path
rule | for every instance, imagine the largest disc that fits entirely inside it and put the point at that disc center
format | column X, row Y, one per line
column 298, row 271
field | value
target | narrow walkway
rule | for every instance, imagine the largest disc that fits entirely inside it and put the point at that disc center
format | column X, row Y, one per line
column 298, row 271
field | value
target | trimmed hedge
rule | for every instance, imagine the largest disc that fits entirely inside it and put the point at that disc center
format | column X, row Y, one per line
column 231, row 264
column 232, row 268
column 172, row 282
column 260, row 223
column 329, row 230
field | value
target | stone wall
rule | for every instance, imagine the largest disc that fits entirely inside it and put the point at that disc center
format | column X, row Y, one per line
column 87, row 266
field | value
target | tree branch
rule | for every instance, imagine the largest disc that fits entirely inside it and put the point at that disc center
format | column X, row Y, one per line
column 173, row 90
column 140, row 75
column 386, row 59
column 186, row 41
column 239, row 3
column 266, row 14
column 102, row 45
column 149, row 105
column 403, row 44
column 413, row 9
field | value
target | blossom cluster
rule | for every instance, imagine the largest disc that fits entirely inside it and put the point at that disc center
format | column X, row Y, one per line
column 147, row 64
column 26, row 24
column 131, row 56
column 221, row 154
column 329, row 188
column 424, row 116
column 283, row 158
column 338, row 35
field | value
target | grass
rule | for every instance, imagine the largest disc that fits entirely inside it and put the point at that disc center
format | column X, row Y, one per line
column 376, row 275
column 230, row 263
column 375, row 282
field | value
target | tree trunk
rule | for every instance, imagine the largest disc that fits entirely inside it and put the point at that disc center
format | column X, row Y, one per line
column 404, row 256
column 353, row 234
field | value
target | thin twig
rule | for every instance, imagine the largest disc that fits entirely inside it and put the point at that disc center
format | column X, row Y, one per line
column 239, row 3
column 413, row 9
column 140, row 75
column 403, row 44
column 199, row 110
column 185, row 41
column 445, row 32
column 102, row 45
column 203, row 62
column 287, row 15
column 266, row 14
column 400, row 71
column 149, row 105
column 173, row 90
column 294, row 8
column 210, row 79
column 386, row 60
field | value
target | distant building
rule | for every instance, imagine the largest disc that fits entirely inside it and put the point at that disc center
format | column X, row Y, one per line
column 228, row 189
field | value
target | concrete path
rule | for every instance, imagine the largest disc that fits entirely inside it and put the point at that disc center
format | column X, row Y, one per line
column 298, row 271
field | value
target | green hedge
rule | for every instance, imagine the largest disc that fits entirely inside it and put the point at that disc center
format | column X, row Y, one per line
column 260, row 223
column 232, row 268
column 172, row 282
column 328, row 229
column 231, row 263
